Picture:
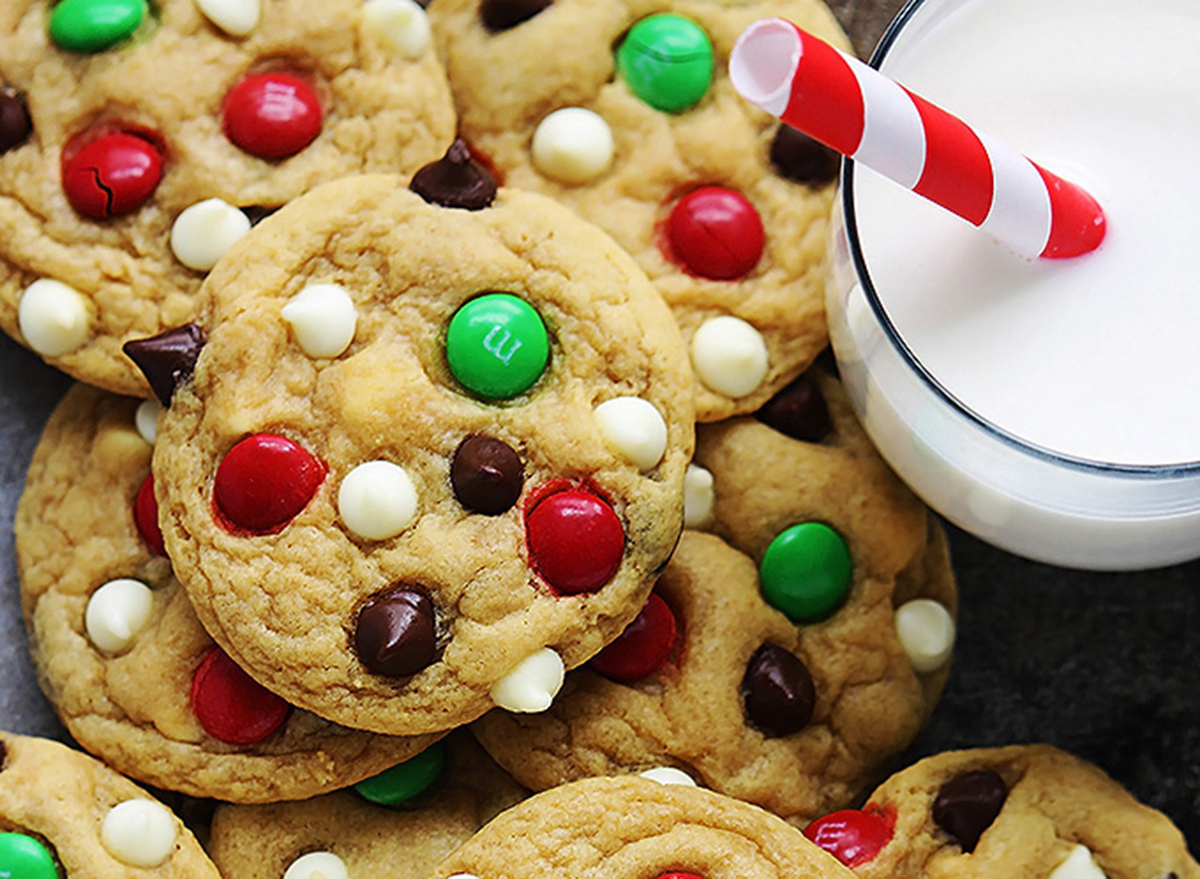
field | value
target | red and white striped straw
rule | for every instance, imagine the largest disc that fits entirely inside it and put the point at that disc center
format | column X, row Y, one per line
column 857, row 111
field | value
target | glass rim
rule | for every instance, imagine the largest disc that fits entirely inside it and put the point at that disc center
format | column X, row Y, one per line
column 1185, row 469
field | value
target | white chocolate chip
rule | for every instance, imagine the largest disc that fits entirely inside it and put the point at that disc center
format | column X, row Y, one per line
column 463, row 876
column 117, row 612
column 634, row 428
column 236, row 17
column 203, row 232
column 53, row 318
column 669, row 775
column 926, row 632
column 317, row 865
column 572, row 145
column 400, row 26
column 1079, row 864
column 729, row 356
column 532, row 685
column 139, row 833
column 698, row 496
column 146, row 419
column 323, row 317
column 377, row 500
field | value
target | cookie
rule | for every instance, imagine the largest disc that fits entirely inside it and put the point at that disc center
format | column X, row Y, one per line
column 632, row 828
column 400, row 826
column 1016, row 811
column 638, row 128
column 430, row 455
column 138, row 139
column 799, row 714
column 118, row 649
column 63, row 813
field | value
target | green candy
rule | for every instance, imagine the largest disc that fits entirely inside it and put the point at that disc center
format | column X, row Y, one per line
column 805, row 572
column 23, row 857
column 405, row 780
column 95, row 25
column 497, row 346
column 667, row 60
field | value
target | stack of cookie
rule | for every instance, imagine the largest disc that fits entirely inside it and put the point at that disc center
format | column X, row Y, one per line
column 418, row 465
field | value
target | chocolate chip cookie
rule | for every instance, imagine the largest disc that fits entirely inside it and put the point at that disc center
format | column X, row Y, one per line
column 425, row 448
column 118, row 649
column 787, row 671
column 638, row 128
column 139, row 139
column 63, row 813
column 1016, row 811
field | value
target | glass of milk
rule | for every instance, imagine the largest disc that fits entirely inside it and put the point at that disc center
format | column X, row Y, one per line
column 1051, row 407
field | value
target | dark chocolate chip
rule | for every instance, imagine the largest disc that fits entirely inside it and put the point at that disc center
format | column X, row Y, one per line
column 967, row 805
column 3, row 754
column 798, row 411
column 487, row 475
column 799, row 158
column 777, row 692
column 15, row 124
column 395, row 634
column 256, row 213
column 455, row 180
column 168, row 359
column 501, row 15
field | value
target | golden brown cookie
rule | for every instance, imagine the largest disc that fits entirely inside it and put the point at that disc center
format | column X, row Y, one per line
column 797, row 712
column 995, row 813
column 634, row 828
column 639, row 129
column 121, row 123
column 430, row 454
column 414, row 817
column 62, row 813
column 118, row 649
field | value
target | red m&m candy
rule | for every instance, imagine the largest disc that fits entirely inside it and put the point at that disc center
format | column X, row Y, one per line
column 145, row 516
column 231, row 705
column 272, row 115
column 715, row 233
column 111, row 175
column 852, row 836
column 263, row 482
column 644, row 645
column 575, row 541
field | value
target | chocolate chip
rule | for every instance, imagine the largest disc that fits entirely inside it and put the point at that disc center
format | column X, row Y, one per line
column 500, row 15
column 15, row 124
column 3, row 754
column 256, row 213
column 968, row 804
column 799, row 158
column 487, row 475
column 777, row 692
column 395, row 634
column 168, row 359
column 798, row 411
column 455, row 181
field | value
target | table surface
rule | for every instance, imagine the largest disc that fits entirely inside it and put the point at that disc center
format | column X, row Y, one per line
column 1106, row 666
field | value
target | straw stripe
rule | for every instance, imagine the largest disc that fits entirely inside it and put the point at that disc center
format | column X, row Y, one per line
column 888, row 110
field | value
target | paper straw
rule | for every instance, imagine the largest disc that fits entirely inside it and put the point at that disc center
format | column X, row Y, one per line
column 857, row 111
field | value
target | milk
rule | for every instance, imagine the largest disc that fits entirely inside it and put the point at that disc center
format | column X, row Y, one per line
column 1058, row 413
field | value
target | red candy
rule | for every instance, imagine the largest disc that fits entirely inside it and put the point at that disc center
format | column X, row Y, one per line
column 715, row 233
column 679, row 876
column 272, row 115
column 111, row 175
column 264, row 482
column 231, row 705
column 642, row 647
column 575, row 541
column 852, row 836
column 145, row 515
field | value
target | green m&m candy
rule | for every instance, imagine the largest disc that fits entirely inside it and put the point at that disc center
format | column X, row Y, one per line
column 24, row 857
column 667, row 61
column 95, row 25
column 805, row 572
column 405, row 780
column 497, row 346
